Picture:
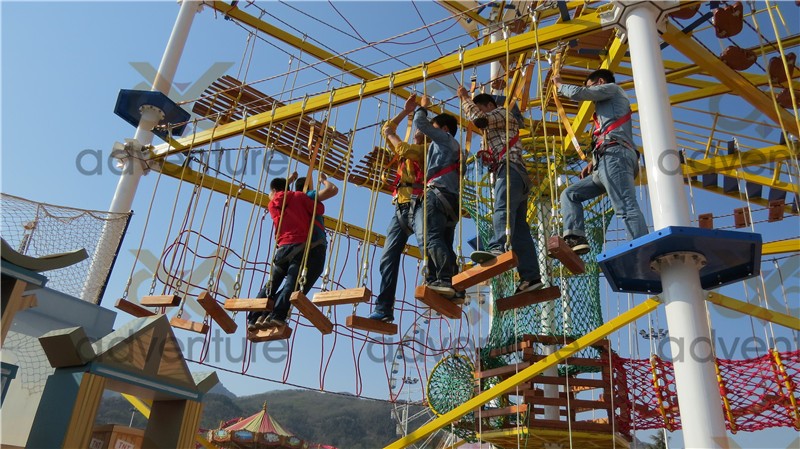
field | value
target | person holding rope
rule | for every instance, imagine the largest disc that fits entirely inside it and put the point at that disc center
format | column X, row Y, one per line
column 501, row 152
column 437, row 213
column 614, row 164
column 292, row 214
column 407, row 187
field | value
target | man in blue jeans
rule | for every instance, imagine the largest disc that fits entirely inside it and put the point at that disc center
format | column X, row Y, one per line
column 614, row 164
column 501, row 151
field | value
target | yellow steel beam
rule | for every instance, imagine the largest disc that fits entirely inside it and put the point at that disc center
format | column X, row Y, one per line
column 526, row 374
column 751, row 309
column 186, row 174
column 780, row 247
column 775, row 153
column 461, row 8
column 443, row 66
column 763, row 202
column 711, row 65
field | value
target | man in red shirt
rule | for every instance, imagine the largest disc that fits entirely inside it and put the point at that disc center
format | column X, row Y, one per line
column 292, row 214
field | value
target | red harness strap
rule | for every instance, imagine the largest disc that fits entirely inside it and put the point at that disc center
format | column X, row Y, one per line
column 600, row 136
column 493, row 160
column 444, row 171
column 416, row 187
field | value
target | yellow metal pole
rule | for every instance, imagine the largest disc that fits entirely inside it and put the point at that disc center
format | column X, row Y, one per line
column 754, row 310
column 780, row 247
column 527, row 374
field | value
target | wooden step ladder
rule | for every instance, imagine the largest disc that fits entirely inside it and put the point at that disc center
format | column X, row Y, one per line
column 437, row 302
column 485, row 271
column 558, row 248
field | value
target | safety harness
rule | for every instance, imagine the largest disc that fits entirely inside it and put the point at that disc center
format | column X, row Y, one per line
column 599, row 134
column 492, row 159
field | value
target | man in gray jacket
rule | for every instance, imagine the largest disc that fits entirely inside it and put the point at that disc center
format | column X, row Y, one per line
column 614, row 164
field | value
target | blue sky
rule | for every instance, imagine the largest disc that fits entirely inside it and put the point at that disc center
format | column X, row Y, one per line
column 64, row 63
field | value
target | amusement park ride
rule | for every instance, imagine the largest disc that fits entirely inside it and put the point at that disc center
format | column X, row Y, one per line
column 547, row 374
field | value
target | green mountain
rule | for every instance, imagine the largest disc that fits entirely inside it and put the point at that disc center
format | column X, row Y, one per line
column 344, row 421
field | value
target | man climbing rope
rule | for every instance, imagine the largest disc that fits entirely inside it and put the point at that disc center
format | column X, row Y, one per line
column 502, row 153
column 437, row 213
column 292, row 214
column 406, row 189
column 614, row 164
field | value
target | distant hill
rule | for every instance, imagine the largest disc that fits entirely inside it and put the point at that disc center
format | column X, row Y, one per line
column 346, row 422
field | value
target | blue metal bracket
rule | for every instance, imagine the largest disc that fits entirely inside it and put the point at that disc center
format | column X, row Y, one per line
column 130, row 101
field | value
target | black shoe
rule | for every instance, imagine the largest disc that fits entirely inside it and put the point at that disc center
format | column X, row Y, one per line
column 578, row 243
column 444, row 288
column 277, row 322
column 380, row 316
column 484, row 256
column 529, row 286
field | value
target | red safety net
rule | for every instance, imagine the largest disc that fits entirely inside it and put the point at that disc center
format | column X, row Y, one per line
column 760, row 392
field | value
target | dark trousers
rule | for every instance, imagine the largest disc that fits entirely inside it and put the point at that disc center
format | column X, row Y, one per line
column 438, row 234
column 400, row 228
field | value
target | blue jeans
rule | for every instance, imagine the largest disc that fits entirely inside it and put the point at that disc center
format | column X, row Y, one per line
column 396, row 239
column 286, row 269
column 438, row 234
column 516, row 211
column 614, row 173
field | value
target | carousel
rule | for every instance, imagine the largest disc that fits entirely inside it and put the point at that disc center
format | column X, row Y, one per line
column 258, row 431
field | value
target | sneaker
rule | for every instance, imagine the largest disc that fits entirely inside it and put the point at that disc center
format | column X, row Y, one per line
column 578, row 243
column 251, row 326
column 380, row 316
column 444, row 288
column 529, row 286
column 277, row 322
column 484, row 256
column 262, row 322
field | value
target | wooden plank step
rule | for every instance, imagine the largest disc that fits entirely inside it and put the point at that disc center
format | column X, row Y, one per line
column 560, row 340
column 528, row 298
column 507, row 370
column 366, row 324
column 188, row 325
column 270, row 334
column 216, row 312
column 485, row 271
column 529, row 355
column 510, row 349
column 348, row 296
column 573, row 381
column 311, row 312
column 161, row 301
column 133, row 308
column 559, row 249
column 573, row 403
column 492, row 412
column 248, row 304
column 776, row 210
column 437, row 302
column 584, row 426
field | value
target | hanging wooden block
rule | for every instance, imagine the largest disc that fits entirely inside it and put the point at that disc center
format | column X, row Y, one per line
column 133, row 308
column 776, row 210
column 686, row 13
column 337, row 297
column 366, row 324
column 161, row 301
column 729, row 20
column 216, row 312
column 437, row 302
column 738, row 58
column 482, row 272
column 528, row 298
column 311, row 312
column 777, row 71
column 558, row 248
column 191, row 326
column 784, row 98
column 270, row 334
column 248, row 304
column 705, row 221
column 741, row 217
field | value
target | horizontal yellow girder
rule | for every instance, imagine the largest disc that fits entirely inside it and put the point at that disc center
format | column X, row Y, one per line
column 443, row 66
column 526, row 374
column 716, row 164
column 751, row 309
column 711, row 65
column 186, row 174
column 780, row 247
column 461, row 8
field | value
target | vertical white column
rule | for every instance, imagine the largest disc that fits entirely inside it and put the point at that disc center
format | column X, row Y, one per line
column 132, row 170
column 695, row 377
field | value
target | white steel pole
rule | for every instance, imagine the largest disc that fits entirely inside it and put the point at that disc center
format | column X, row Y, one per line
column 132, row 170
column 695, row 377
